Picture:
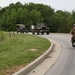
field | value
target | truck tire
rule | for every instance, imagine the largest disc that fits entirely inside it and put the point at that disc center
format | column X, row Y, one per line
column 47, row 33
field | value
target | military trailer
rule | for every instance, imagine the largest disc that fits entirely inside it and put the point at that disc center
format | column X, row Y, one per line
column 21, row 28
column 40, row 28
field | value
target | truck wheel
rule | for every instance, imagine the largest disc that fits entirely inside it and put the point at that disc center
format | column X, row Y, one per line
column 42, row 33
column 26, row 32
column 47, row 33
column 37, row 33
column 33, row 33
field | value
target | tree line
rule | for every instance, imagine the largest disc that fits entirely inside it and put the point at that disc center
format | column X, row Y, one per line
column 32, row 13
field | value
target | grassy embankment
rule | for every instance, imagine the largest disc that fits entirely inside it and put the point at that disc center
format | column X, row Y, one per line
column 19, row 50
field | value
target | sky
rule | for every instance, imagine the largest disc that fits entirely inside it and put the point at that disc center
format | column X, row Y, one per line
column 65, row 5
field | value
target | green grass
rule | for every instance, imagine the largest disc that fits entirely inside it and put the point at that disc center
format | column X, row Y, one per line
column 20, row 50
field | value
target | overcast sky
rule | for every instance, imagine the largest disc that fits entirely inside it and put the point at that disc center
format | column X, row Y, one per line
column 67, row 5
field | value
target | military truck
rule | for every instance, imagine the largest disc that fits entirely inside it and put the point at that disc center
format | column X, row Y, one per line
column 40, row 28
column 21, row 28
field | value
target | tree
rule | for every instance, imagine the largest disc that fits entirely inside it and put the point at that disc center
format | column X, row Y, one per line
column 32, row 13
column 35, row 17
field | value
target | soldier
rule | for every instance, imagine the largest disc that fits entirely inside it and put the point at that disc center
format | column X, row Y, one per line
column 72, row 32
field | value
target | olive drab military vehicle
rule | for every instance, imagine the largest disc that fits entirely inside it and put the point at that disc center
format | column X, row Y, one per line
column 40, row 28
column 21, row 28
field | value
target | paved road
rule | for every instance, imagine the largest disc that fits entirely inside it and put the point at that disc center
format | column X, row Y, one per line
column 66, row 63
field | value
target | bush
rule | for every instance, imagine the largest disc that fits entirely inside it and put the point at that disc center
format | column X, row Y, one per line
column 2, row 36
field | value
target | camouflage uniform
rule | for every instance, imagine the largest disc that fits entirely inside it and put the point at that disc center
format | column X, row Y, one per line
column 73, row 33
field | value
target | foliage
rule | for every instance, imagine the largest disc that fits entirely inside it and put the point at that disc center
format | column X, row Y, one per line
column 31, row 14
column 2, row 36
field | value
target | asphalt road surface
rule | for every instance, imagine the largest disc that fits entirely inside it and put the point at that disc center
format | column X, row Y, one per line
column 66, row 62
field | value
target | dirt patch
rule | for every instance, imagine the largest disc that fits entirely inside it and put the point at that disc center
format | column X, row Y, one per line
column 33, row 49
column 12, row 70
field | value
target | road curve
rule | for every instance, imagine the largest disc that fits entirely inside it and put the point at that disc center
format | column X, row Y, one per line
column 66, row 63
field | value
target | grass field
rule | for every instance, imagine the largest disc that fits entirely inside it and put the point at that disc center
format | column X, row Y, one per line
column 19, row 50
